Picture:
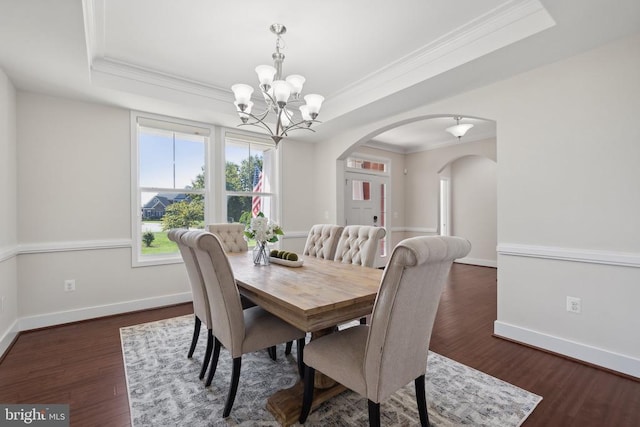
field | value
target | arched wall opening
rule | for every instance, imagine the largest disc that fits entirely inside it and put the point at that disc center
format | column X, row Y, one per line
column 414, row 193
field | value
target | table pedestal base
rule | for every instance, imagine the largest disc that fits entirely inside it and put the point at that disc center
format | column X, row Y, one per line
column 285, row 405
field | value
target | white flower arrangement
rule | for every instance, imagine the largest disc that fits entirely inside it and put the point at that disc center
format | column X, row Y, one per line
column 263, row 230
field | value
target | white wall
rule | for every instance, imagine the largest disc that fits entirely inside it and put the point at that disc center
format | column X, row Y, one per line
column 567, row 200
column 423, row 181
column 8, row 213
column 474, row 207
column 75, row 213
column 297, row 197
column 74, row 192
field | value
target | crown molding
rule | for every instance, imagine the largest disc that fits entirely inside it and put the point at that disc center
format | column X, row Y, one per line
column 510, row 22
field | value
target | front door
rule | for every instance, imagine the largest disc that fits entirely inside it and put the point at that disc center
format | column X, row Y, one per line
column 365, row 200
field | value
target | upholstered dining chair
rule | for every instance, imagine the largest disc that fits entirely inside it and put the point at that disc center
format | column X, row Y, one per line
column 231, row 236
column 201, row 310
column 378, row 359
column 322, row 241
column 239, row 331
column 358, row 244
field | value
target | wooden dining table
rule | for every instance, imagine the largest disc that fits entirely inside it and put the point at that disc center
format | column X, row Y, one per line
column 314, row 297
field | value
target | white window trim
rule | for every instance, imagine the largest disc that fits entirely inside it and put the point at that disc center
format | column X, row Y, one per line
column 243, row 136
column 136, row 216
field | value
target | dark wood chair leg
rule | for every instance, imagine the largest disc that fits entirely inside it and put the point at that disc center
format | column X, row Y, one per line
column 235, row 378
column 307, row 397
column 196, row 334
column 207, row 353
column 214, row 361
column 300, row 351
column 287, row 349
column 374, row 414
column 272, row 352
column 422, row 401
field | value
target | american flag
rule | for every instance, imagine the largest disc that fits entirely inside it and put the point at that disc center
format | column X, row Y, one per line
column 256, row 204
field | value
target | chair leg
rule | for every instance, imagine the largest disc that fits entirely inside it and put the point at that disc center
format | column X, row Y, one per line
column 300, row 351
column 422, row 401
column 272, row 352
column 207, row 354
column 307, row 397
column 235, row 377
column 374, row 414
column 214, row 361
column 196, row 334
column 287, row 349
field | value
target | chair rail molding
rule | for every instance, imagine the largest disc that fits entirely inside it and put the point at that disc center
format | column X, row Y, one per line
column 68, row 246
column 625, row 259
column 6, row 253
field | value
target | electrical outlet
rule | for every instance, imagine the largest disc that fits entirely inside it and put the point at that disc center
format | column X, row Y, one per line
column 69, row 285
column 2, row 304
column 574, row 305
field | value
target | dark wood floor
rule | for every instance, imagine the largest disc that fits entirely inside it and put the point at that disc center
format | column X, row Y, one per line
column 81, row 364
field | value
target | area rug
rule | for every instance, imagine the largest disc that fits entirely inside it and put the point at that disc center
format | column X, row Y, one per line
column 164, row 389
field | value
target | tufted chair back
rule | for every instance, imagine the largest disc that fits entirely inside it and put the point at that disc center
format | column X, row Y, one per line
column 322, row 241
column 358, row 244
column 230, row 235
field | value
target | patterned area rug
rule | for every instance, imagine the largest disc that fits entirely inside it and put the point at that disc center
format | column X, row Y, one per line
column 164, row 389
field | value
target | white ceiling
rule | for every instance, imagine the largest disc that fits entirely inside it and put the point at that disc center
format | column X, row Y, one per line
column 369, row 58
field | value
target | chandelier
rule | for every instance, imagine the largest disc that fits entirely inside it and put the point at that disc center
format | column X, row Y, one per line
column 459, row 129
column 279, row 96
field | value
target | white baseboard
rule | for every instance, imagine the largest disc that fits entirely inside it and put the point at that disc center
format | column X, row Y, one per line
column 607, row 359
column 61, row 317
column 8, row 337
column 478, row 261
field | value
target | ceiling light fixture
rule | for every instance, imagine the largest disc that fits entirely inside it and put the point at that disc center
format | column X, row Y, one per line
column 459, row 130
column 277, row 94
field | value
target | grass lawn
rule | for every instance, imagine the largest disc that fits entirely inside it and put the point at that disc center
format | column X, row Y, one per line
column 160, row 245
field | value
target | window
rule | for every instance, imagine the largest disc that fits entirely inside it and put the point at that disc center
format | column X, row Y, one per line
column 250, row 177
column 169, row 174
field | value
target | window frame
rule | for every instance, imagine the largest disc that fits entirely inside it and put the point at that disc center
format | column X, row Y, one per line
column 251, row 138
column 174, row 124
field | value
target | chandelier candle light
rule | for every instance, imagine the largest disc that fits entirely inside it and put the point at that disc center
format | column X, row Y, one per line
column 278, row 95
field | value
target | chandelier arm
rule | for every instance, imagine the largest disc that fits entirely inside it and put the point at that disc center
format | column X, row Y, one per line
column 258, row 122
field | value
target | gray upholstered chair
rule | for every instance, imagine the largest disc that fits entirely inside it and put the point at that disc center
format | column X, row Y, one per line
column 239, row 331
column 358, row 244
column 201, row 310
column 231, row 236
column 322, row 241
column 378, row 359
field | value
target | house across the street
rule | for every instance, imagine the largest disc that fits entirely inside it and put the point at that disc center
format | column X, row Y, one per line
column 155, row 208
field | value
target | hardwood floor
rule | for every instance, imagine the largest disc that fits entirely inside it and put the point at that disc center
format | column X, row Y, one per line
column 81, row 364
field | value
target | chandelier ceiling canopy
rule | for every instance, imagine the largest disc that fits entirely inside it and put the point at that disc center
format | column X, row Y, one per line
column 280, row 95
